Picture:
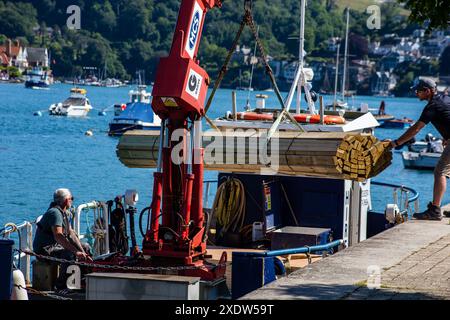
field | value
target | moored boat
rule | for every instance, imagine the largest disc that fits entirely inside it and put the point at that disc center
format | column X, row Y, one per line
column 37, row 78
column 420, row 160
column 77, row 105
column 137, row 114
column 397, row 123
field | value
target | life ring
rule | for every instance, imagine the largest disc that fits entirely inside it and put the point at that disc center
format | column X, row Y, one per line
column 315, row 118
column 255, row 116
column 123, row 106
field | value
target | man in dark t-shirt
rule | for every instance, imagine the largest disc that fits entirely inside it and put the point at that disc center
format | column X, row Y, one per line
column 437, row 111
column 55, row 237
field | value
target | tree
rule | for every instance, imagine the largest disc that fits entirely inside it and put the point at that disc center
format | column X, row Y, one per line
column 358, row 45
column 434, row 12
column 134, row 21
column 17, row 19
column 403, row 86
column 13, row 72
column 445, row 62
column 101, row 18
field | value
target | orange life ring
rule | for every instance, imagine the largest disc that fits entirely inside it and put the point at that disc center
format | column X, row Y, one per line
column 255, row 116
column 315, row 118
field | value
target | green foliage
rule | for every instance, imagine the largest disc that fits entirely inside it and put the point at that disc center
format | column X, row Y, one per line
column 128, row 35
column 408, row 71
column 434, row 12
column 13, row 72
column 404, row 84
column 17, row 19
column 445, row 62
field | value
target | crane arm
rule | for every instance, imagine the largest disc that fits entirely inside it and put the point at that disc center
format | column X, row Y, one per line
column 181, row 84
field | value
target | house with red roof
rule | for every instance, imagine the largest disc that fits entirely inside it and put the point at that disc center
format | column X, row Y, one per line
column 13, row 54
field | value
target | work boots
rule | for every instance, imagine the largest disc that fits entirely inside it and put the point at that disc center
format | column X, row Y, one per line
column 432, row 213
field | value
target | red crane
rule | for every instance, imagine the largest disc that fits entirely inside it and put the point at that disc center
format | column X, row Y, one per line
column 179, row 95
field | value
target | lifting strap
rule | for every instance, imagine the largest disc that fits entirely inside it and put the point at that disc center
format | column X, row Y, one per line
column 247, row 19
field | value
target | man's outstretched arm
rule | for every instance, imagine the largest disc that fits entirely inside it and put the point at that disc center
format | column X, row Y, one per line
column 409, row 134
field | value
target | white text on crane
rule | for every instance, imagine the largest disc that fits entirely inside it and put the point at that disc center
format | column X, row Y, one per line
column 194, row 29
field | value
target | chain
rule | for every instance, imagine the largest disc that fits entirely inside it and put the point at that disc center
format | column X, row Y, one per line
column 246, row 20
column 116, row 267
column 251, row 24
column 44, row 294
column 224, row 68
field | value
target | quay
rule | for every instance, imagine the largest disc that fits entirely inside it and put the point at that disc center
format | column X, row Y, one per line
column 413, row 259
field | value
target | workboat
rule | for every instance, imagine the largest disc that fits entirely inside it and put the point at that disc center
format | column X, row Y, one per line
column 280, row 224
column 311, row 120
column 77, row 105
column 37, row 78
column 137, row 114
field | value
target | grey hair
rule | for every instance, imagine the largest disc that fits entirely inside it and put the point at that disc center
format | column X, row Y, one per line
column 61, row 195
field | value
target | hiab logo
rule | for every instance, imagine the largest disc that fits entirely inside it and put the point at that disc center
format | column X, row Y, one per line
column 193, row 84
column 194, row 30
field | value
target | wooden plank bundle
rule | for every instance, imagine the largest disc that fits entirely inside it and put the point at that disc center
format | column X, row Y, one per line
column 293, row 153
column 360, row 157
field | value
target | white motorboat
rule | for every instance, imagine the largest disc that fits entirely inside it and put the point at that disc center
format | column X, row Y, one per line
column 77, row 105
column 420, row 160
column 423, row 154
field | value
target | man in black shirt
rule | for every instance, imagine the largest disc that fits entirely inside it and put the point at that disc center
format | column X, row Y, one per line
column 437, row 111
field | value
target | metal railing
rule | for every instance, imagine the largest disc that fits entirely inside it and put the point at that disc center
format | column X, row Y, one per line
column 25, row 230
column 402, row 196
column 84, row 209
column 25, row 236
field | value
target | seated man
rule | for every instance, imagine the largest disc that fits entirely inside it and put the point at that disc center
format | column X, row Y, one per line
column 54, row 235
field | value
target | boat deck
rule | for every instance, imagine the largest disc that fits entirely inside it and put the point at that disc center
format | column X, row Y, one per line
column 413, row 259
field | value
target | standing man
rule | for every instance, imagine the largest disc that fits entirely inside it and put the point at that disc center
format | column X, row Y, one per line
column 437, row 111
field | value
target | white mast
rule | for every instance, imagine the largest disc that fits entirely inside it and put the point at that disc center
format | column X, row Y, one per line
column 345, row 54
column 247, row 105
column 300, row 54
column 336, row 78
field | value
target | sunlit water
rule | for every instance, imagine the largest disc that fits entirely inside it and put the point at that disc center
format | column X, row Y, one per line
column 41, row 154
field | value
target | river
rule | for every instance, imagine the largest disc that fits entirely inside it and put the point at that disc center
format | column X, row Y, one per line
column 41, row 154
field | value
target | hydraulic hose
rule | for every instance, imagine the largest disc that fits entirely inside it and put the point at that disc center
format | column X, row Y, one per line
column 229, row 205
column 140, row 221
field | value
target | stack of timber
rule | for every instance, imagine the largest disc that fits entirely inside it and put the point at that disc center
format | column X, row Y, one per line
column 360, row 157
column 291, row 153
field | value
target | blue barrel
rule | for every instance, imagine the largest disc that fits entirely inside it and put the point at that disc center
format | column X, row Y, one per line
column 6, row 261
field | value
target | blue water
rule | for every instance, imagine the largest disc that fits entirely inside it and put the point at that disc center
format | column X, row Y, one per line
column 41, row 154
